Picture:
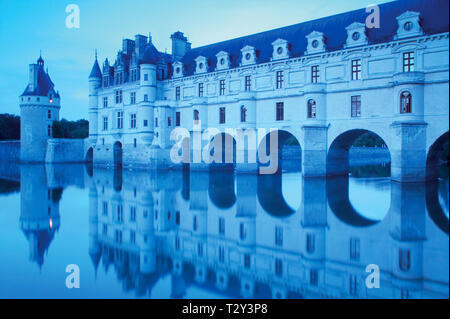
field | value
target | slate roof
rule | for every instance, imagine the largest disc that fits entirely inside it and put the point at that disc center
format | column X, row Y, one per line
column 44, row 84
column 96, row 72
column 434, row 19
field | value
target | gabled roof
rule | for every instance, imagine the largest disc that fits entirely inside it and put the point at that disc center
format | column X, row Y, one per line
column 434, row 14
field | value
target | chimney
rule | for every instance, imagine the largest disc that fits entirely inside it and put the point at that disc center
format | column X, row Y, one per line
column 180, row 45
column 140, row 41
column 33, row 76
column 127, row 46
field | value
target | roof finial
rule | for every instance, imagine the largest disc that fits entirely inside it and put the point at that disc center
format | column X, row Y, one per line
column 96, row 54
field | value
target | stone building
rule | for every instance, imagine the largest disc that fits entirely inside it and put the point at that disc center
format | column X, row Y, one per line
column 323, row 82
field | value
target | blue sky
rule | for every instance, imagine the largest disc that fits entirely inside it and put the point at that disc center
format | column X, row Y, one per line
column 27, row 26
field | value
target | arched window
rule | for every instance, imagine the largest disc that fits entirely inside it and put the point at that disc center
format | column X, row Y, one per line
column 196, row 115
column 311, row 109
column 243, row 114
column 405, row 102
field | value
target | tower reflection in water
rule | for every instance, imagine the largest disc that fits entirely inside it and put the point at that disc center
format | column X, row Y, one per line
column 237, row 236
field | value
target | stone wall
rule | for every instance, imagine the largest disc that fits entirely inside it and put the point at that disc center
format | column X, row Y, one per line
column 9, row 151
column 66, row 151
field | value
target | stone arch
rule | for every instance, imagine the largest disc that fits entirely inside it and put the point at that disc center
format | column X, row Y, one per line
column 118, row 154
column 221, row 189
column 284, row 138
column 436, row 161
column 339, row 202
column 226, row 154
column 89, row 155
column 270, row 196
column 338, row 151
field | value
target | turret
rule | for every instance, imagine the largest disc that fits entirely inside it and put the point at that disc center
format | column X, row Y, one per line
column 95, row 80
column 39, row 107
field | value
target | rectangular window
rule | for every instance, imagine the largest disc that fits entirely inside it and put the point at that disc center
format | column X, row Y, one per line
column 120, row 120
column 156, row 122
column 132, row 213
column 222, row 115
column 408, row 62
column 221, row 254
column 105, row 209
column 356, row 106
column 315, row 74
column 279, row 79
column 105, row 101
column 105, row 123
column 221, row 226
column 242, row 231
column 133, row 121
column 310, row 243
column 354, row 248
column 278, row 236
column 200, row 89
column 177, row 93
column 132, row 237
column 146, row 77
column 145, row 97
column 356, row 69
column 247, row 261
column 353, row 285
column 280, row 111
column 145, row 123
column 278, row 267
column 133, row 98
column 222, row 87
column 177, row 119
column 169, row 121
column 49, row 114
column 313, row 277
column 118, row 96
column 248, row 83
column 105, row 81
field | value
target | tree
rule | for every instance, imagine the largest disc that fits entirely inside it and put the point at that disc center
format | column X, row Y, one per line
column 9, row 127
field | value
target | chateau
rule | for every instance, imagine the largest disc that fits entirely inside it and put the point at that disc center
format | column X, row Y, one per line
column 324, row 82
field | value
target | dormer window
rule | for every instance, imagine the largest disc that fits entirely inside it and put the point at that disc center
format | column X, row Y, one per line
column 280, row 49
column 356, row 35
column 408, row 25
column 316, row 42
column 177, row 69
column 202, row 65
column 248, row 55
column 223, row 60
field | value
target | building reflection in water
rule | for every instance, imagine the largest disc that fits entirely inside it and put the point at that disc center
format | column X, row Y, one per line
column 235, row 235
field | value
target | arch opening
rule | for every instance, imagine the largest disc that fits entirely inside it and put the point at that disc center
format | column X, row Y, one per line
column 118, row 154
column 359, row 152
column 288, row 152
column 437, row 187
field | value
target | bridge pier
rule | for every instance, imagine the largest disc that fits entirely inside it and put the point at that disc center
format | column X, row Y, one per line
column 314, row 147
column 408, row 151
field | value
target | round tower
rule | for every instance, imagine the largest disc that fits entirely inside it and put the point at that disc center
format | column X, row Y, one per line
column 39, row 107
column 147, row 91
column 95, row 81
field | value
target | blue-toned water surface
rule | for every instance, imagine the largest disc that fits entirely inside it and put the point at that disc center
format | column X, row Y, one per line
column 181, row 234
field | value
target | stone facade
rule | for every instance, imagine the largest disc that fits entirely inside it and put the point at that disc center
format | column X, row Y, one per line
column 334, row 80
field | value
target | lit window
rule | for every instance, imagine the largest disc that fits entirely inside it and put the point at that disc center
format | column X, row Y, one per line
column 405, row 102
column 315, row 74
column 356, row 106
column 356, row 69
column 311, row 109
column 279, row 79
column 280, row 111
column 222, row 115
column 408, row 62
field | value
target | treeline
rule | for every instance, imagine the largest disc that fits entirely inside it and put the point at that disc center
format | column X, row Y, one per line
column 9, row 127
column 369, row 140
column 70, row 129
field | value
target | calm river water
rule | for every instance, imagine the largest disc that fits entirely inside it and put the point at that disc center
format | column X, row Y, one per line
column 180, row 234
